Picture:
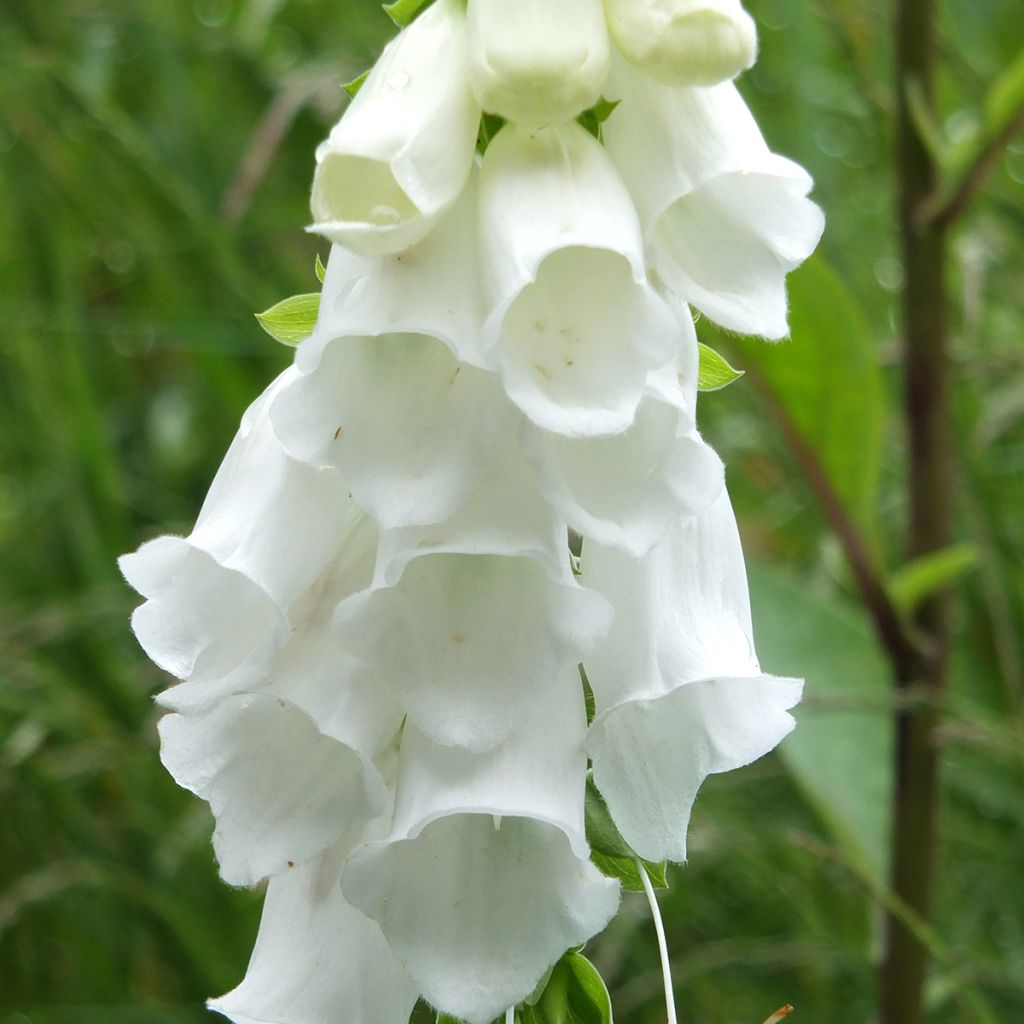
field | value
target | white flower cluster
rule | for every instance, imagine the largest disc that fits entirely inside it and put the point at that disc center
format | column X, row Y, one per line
column 376, row 624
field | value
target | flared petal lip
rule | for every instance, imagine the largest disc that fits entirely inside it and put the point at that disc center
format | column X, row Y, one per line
column 651, row 694
column 575, row 834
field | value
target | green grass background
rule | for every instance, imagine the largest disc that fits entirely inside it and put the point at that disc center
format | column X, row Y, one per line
column 155, row 158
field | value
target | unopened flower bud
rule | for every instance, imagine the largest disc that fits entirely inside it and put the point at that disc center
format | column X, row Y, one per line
column 537, row 62
column 684, row 42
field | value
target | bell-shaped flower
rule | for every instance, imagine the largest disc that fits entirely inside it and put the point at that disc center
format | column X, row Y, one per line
column 724, row 218
column 219, row 602
column 678, row 688
column 431, row 288
column 412, row 429
column 684, row 42
column 535, row 62
column 466, row 643
column 289, row 767
column 401, row 153
column 627, row 490
column 485, row 879
column 573, row 325
column 317, row 959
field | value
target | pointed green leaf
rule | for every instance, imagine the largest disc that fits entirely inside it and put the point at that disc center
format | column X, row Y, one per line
column 291, row 320
column 355, row 85
column 403, row 12
column 603, row 836
column 714, row 372
column 319, row 269
column 575, row 994
column 918, row 579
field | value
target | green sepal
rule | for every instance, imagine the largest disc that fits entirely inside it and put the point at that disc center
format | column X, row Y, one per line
column 490, row 125
column 356, row 84
column 611, row 854
column 319, row 269
column 291, row 320
column 575, row 994
column 589, row 701
column 714, row 373
column 595, row 116
column 626, row 871
column 403, row 12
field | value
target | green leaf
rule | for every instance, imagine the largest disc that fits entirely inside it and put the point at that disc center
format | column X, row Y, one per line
column 1005, row 96
column 626, row 871
column 918, row 579
column 403, row 12
column 595, row 116
column 602, row 834
column 356, row 84
column 575, row 994
column 827, row 383
column 319, row 269
column 291, row 320
column 840, row 753
column 714, row 372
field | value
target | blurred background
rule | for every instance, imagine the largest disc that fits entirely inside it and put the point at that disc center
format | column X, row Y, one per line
column 155, row 160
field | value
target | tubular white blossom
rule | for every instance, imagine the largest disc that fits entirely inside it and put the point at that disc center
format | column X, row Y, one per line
column 678, row 688
column 280, row 790
column 468, row 643
column 684, row 42
column 536, row 62
column 432, row 288
column 413, row 430
column 490, row 851
column 627, row 490
column 574, row 326
column 317, row 958
column 724, row 218
column 401, row 153
column 219, row 602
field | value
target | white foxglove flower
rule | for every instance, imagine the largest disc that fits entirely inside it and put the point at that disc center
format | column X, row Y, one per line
column 628, row 489
column 684, row 42
column 317, row 959
column 725, row 219
column 290, row 766
column 468, row 643
column 485, row 879
column 574, row 326
column 280, row 790
column 401, row 153
column 219, row 602
column 432, row 288
column 536, row 62
column 413, row 430
column 678, row 688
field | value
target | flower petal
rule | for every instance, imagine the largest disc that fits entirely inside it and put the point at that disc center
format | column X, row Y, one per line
column 218, row 603
column 574, row 327
column 318, row 959
column 651, row 756
column 628, row 490
column 280, row 790
column 505, row 895
column 467, row 642
column 401, row 153
column 724, row 218
column 413, row 430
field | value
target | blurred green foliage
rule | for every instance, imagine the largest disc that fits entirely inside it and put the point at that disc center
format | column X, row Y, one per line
column 155, row 158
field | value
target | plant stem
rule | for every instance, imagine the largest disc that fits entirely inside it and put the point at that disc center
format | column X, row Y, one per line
column 659, row 929
column 928, row 412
